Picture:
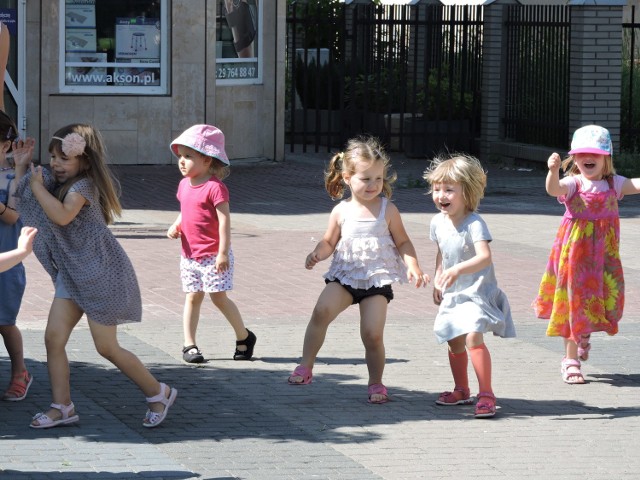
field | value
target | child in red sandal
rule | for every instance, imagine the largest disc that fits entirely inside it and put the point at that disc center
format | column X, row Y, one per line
column 465, row 286
column 16, row 243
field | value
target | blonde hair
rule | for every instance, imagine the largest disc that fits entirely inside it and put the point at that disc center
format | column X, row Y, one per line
column 569, row 166
column 463, row 169
column 94, row 166
column 359, row 150
column 219, row 169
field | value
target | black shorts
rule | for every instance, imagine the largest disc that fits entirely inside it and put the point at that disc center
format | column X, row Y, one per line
column 360, row 294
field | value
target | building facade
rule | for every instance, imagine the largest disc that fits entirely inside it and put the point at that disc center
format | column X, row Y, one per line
column 142, row 71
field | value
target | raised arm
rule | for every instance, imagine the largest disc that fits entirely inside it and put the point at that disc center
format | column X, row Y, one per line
column 552, row 184
column 631, row 186
column 22, row 156
column 60, row 213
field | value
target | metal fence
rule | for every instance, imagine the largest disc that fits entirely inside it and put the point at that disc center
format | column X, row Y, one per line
column 630, row 115
column 536, row 109
column 410, row 75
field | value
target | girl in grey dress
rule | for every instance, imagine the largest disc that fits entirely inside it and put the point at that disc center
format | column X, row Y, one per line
column 465, row 285
column 71, row 207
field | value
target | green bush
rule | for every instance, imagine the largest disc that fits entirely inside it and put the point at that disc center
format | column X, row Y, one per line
column 318, row 86
column 442, row 94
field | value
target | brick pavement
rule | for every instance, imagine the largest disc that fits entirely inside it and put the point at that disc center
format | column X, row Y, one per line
column 237, row 420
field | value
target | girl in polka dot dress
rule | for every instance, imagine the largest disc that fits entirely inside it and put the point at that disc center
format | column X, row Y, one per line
column 203, row 226
column 71, row 206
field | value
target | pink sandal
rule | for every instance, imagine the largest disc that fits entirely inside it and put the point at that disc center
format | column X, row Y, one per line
column 485, row 408
column 301, row 371
column 378, row 389
column 573, row 376
column 153, row 419
column 459, row 396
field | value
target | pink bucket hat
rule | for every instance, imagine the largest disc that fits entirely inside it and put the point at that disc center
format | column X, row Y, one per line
column 206, row 139
column 591, row 139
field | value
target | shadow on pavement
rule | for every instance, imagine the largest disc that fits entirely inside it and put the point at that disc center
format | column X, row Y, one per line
column 618, row 380
column 92, row 475
column 223, row 403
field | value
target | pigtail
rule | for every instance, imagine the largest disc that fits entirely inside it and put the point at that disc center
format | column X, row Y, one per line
column 333, row 182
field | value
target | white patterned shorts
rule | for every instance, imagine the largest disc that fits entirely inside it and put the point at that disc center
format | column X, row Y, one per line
column 200, row 275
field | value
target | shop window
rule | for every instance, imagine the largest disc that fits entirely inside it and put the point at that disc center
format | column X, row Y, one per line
column 239, row 42
column 114, row 46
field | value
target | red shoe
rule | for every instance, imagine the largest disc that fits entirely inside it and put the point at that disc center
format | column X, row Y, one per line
column 18, row 387
column 459, row 396
column 486, row 406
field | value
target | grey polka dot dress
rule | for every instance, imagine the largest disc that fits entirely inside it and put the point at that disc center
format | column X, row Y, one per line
column 92, row 265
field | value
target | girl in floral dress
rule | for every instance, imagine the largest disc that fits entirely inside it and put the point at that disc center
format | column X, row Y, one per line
column 582, row 289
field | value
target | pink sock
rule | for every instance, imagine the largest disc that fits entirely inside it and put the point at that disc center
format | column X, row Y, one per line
column 458, row 363
column 481, row 360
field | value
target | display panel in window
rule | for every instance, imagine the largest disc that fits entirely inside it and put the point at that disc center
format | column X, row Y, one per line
column 239, row 42
column 114, row 46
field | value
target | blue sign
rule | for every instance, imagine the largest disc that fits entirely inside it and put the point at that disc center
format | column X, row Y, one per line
column 9, row 16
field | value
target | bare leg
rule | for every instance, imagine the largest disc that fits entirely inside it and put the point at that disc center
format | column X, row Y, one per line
column 13, row 343
column 333, row 300
column 571, row 352
column 191, row 316
column 106, row 342
column 63, row 317
column 571, row 349
column 373, row 315
column 230, row 311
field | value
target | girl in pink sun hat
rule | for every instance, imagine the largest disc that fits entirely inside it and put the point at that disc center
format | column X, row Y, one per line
column 204, row 228
column 582, row 288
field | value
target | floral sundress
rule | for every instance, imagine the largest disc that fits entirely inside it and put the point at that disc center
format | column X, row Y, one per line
column 582, row 289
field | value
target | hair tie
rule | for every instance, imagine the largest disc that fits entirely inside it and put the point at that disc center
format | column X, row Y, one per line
column 340, row 155
column 73, row 144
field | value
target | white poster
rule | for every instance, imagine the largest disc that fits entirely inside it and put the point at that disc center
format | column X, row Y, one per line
column 138, row 38
column 80, row 40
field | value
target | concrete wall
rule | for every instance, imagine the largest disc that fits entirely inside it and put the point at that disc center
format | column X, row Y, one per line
column 138, row 129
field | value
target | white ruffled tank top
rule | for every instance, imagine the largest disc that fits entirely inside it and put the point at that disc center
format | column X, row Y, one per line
column 366, row 255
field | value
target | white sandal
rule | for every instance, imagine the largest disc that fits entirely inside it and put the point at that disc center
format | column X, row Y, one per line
column 153, row 419
column 44, row 421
